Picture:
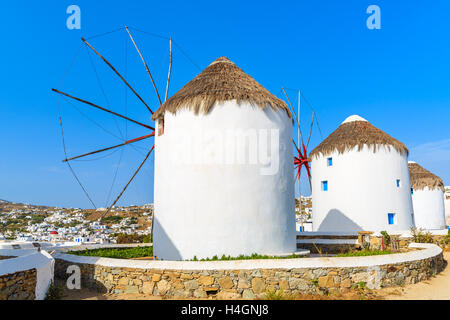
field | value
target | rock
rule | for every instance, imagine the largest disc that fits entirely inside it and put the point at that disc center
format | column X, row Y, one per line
column 299, row 284
column 205, row 280
column 182, row 293
column 191, row 284
column 284, row 285
column 163, row 286
column 124, row 281
column 131, row 289
column 226, row 283
column 156, row 277
column 258, row 285
column 243, row 284
column 346, row 283
column 248, row 294
column 199, row 293
column 177, row 284
column 147, row 287
column 256, row 273
column 226, row 295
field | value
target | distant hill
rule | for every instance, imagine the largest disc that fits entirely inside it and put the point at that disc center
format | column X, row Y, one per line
column 3, row 201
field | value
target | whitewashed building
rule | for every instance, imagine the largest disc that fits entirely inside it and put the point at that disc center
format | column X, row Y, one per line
column 427, row 191
column 447, row 204
column 360, row 181
column 223, row 169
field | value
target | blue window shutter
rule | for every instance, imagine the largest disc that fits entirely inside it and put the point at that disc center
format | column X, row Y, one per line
column 390, row 218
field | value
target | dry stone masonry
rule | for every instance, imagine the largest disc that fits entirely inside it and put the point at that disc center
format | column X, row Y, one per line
column 249, row 284
column 18, row 286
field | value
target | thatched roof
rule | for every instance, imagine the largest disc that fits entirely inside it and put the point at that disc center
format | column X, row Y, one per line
column 221, row 81
column 421, row 178
column 356, row 132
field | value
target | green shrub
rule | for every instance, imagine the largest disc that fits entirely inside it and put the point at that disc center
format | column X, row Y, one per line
column 419, row 236
column 362, row 253
column 387, row 238
column 129, row 238
column 112, row 219
column 118, row 253
column 146, row 239
column 54, row 292
column 244, row 257
column 277, row 295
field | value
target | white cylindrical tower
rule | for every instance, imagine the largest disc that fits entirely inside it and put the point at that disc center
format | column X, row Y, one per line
column 427, row 192
column 360, row 181
column 223, row 169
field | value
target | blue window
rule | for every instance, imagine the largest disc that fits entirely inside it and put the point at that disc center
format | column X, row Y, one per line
column 398, row 183
column 391, row 218
column 330, row 162
column 412, row 191
column 324, row 185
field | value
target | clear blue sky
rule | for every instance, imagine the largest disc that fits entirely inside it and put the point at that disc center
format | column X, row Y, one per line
column 397, row 77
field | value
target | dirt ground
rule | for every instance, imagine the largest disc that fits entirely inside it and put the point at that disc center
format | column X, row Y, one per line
column 436, row 288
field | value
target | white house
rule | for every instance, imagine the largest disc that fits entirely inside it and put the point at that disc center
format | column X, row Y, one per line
column 82, row 240
column 360, row 181
column 223, row 169
column 427, row 191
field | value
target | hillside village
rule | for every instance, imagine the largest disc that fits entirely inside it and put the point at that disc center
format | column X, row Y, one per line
column 25, row 222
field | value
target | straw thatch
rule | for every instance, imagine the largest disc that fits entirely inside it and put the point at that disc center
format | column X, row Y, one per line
column 357, row 134
column 421, row 178
column 221, row 81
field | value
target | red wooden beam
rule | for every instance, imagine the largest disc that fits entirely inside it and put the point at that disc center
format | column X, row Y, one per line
column 109, row 148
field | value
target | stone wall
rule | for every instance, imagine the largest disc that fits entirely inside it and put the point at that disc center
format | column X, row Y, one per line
column 6, row 257
column 249, row 283
column 19, row 285
column 318, row 243
column 327, row 248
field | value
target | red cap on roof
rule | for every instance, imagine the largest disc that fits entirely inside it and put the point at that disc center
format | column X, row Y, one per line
column 53, row 232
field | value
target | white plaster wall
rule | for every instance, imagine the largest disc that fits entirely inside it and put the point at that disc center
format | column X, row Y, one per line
column 429, row 210
column 212, row 209
column 43, row 263
column 361, row 191
column 447, row 211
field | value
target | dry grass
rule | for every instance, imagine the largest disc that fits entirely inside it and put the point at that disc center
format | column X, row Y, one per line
column 357, row 134
column 421, row 178
column 221, row 81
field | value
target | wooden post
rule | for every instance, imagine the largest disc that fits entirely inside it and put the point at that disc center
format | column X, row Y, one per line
column 145, row 64
column 170, row 69
column 299, row 187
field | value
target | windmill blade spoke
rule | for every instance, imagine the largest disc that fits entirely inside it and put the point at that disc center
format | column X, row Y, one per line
column 126, row 186
column 120, row 76
column 295, row 114
column 104, row 109
column 146, row 66
column 170, row 69
column 113, row 147
column 310, row 129
column 295, row 144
